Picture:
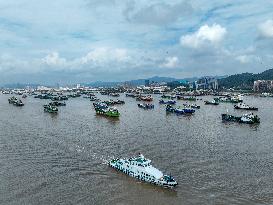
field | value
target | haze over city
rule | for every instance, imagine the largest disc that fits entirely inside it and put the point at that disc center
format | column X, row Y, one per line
column 70, row 41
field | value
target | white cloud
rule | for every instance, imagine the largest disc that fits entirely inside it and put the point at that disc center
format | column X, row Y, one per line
column 104, row 54
column 170, row 62
column 247, row 58
column 205, row 34
column 266, row 29
column 161, row 13
column 243, row 59
column 54, row 59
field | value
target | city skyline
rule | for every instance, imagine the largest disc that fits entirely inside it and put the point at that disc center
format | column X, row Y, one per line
column 90, row 40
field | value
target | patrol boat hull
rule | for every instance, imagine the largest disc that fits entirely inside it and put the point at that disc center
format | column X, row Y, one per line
column 141, row 169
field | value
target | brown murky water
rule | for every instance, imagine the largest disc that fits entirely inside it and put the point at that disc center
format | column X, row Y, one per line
column 61, row 159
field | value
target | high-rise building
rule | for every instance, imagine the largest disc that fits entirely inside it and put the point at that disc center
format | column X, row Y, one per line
column 263, row 86
column 207, row 83
column 147, row 83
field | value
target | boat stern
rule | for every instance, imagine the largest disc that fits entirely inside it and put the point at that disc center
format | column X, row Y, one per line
column 169, row 181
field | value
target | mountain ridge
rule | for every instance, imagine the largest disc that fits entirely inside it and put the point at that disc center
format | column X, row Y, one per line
column 245, row 80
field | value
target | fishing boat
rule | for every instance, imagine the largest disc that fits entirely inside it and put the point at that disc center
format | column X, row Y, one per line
column 145, row 106
column 145, row 98
column 103, row 109
column 57, row 103
column 228, row 99
column 213, row 102
column 188, row 110
column 141, row 168
column 12, row 99
column 74, row 95
column 114, row 102
column 109, row 112
column 114, row 94
column 92, row 98
column 100, row 105
column 179, row 110
column 50, row 109
column 264, row 95
column 133, row 95
column 45, row 96
column 16, row 101
column 170, row 108
column 169, row 102
column 168, row 96
column 19, row 103
column 243, row 106
column 246, row 118
column 195, row 106
column 59, row 98
column 86, row 96
column 190, row 98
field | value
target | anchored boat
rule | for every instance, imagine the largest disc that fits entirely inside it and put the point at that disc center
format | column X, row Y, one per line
column 145, row 106
column 114, row 102
column 114, row 94
column 50, row 109
column 141, row 168
column 213, row 102
column 103, row 109
column 243, row 106
column 168, row 96
column 59, row 98
column 145, row 98
column 92, row 98
column 110, row 112
column 228, row 99
column 246, row 118
column 186, row 98
column 57, row 103
column 188, row 110
column 179, row 110
column 194, row 106
column 16, row 101
column 169, row 102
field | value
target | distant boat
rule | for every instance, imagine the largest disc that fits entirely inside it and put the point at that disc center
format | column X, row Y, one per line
column 169, row 102
column 50, row 109
column 16, row 101
column 168, row 96
column 57, row 103
column 103, row 109
column 227, row 99
column 145, row 98
column 213, row 102
column 186, row 98
column 246, row 118
column 179, row 110
column 145, row 106
column 243, row 106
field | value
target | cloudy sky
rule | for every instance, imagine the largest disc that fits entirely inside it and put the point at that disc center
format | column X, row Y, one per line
column 68, row 41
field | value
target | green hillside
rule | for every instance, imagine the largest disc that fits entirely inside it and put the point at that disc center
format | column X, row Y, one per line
column 245, row 80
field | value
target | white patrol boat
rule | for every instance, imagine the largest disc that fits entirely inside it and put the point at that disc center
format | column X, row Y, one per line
column 141, row 168
column 243, row 106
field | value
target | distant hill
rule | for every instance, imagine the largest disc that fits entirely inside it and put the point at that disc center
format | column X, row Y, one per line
column 138, row 81
column 245, row 80
column 20, row 85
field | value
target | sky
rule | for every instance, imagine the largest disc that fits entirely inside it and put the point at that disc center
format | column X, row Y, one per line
column 68, row 41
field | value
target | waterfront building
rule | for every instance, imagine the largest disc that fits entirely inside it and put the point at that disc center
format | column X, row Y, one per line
column 147, row 83
column 206, row 83
column 263, row 86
